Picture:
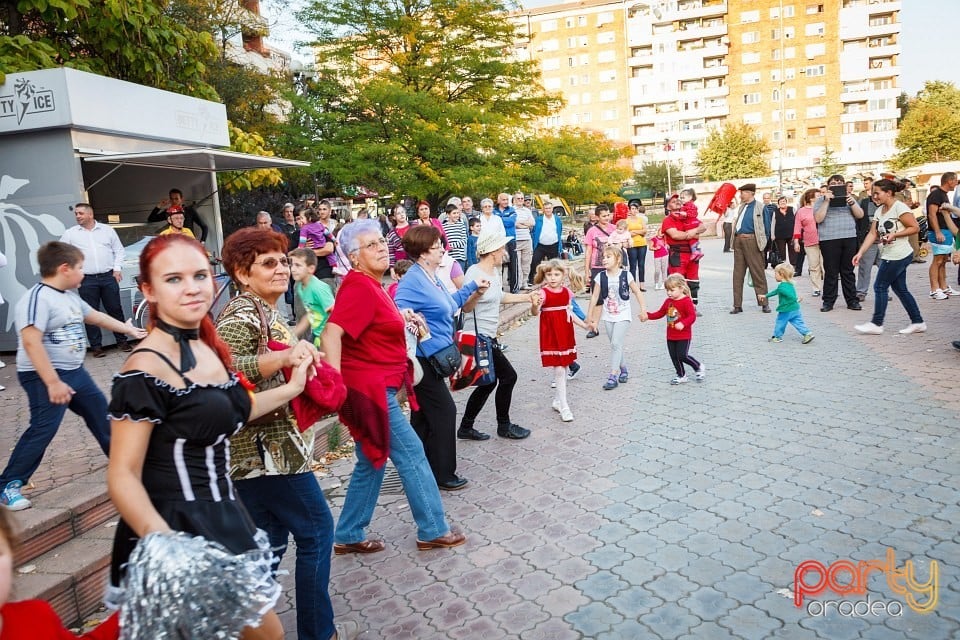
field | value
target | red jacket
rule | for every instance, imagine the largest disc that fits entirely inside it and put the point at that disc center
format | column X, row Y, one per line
column 36, row 620
column 681, row 310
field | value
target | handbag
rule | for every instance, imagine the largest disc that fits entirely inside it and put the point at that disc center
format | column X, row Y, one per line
column 470, row 371
column 773, row 256
column 445, row 361
column 485, row 347
column 274, row 381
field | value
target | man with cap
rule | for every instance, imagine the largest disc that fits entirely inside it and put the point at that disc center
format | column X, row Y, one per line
column 751, row 233
column 679, row 232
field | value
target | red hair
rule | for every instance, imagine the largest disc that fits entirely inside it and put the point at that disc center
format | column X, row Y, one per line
column 243, row 246
column 208, row 332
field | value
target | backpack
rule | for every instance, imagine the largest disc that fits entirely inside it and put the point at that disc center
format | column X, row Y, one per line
column 623, row 288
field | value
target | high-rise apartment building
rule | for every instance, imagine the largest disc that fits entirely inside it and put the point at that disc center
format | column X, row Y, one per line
column 810, row 75
column 817, row 75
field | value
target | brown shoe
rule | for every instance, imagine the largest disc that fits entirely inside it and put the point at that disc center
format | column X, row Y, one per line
column 364, row 546
column 452, row 539
column 98, row 353
column 126, row 347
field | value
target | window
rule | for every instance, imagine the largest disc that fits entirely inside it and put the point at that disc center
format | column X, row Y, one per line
column 884, row 125
column 749, row 58
column 586, row 97
column 581, row 21
column 790, row 93
column 607, row 56
column 775, row 75
column 574, row 99
column 775, row 54
column 775, row 13
column 552, row 84
column 788, row 11
column 815, row 29
column 880, row 20
column 551, row 45
column 754, row 117
column 609, row 114
column 775, row 95
column 855, row 127
column 776, row 136
column 751, row 98
column 548, row 25
column 569, row 23
column 608, row 76
column 553, row 121
column 750, row 37
column 751, row 78
column 571, row 42
column 573, row 81
column 586, row 116
column 775, row 115
column 816, row 132
column 570, row 62
column 775, row 34
column 550, row 64
column 791, row 134
column 585, row 41
column 585, row 78
column 611, row 134
column 750, row 16
column 584, row 58
column 814, row 50
column 604, row 18
column 882, row 103
column 818, row 111
column 790, row 114
column 603, row 38
column 814, row 70
column 789, row 73
column 608, row 95
column 789, row 33
column 814, row 9
column 816, row 90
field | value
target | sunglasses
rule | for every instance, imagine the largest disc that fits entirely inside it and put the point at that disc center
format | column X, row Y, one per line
column 271, row 263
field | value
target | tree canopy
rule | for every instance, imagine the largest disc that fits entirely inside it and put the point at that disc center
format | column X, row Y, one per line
column 653, row 176
column 930, row 131
column 423, row 97
column 733, row 151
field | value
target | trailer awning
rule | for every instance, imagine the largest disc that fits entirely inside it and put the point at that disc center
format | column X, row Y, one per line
column 197, row 160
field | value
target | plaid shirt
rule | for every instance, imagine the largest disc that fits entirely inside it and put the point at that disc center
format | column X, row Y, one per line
column 277, row 448
column 838, row 223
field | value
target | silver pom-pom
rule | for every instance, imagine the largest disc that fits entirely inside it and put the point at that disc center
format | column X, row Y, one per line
column 179, row 586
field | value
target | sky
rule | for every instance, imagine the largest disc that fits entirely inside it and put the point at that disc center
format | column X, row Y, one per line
column 926, row 55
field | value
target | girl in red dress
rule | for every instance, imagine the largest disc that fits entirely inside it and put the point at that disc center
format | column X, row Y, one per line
column 558, row 346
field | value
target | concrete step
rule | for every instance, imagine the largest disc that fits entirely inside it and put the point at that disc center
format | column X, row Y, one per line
column 65, row 542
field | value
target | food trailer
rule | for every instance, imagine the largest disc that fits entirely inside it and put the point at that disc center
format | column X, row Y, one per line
column 67, row 136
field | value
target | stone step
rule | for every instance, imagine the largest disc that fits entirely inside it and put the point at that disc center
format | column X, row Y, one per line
column 65, row 542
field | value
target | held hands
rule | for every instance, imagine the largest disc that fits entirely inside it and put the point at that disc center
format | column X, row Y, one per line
column 761, row 299
column 482, row 285
column 643, row 316
column 299, row 375
column 60, row 392
column 303, row 353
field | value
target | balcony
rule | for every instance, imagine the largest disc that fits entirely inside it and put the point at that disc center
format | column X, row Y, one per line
column 884, row 71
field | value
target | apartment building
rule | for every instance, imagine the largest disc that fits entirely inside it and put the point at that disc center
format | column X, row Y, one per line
column 817, row 75
column 811, row 75
column 581, row 50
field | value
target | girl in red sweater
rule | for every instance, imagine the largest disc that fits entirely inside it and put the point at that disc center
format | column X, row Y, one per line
column 681, row 314
column 34, row 619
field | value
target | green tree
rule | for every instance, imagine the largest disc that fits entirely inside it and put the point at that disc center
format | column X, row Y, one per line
column 733, row 151
column 420, row 96
column 930, row 132
column 581, row 166
column 829, row 165
column 134, row 40
column 653, row 176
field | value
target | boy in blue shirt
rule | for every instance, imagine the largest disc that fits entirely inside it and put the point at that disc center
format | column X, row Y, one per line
column 472, row 258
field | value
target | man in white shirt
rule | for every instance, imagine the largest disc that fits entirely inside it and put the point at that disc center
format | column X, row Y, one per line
column 103, row 256
column 525, row 223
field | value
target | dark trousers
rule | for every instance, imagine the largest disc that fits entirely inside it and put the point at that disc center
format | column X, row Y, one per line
column 636, row 257
column 506, row 380
column 97, row 288
column 838, row 264
column 88, row 402
column 727, row 236
column 785, row 249
column 294, row 504
column 679, row 356
column 798, row 265
column 513, row 268
column 436, row 423
column 543, row 252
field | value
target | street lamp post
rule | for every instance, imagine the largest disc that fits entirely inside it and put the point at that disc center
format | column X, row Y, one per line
column 667, row 147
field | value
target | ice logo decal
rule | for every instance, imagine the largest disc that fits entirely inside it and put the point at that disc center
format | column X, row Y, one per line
column 21, row 234
column 26, row 98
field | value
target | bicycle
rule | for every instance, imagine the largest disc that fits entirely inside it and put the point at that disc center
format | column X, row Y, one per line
column 223, row 285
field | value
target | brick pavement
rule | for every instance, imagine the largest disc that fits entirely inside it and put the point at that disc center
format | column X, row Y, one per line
column 673, row 512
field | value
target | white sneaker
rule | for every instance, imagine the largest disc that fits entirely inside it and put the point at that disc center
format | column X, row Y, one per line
column 938, row 295
column 2, row 364
column 950, row 292
column 566, row 415
column 679, row 380
column 701, row 372
column 2, row 388
column 556, row 406
column 916, row 327
column 553, row 385
column 869, row 328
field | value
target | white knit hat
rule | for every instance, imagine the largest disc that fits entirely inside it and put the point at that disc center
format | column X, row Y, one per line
column 489, row 241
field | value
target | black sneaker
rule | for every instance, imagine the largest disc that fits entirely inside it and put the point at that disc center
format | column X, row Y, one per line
column 592, row 334
column 573, row 370
column 512, row 431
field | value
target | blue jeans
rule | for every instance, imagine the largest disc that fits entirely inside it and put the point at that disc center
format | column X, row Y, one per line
column 793, row 317
column 285, row 504
column 88, row 402
column 637, row 256
column 406, row 452
column 893, row 274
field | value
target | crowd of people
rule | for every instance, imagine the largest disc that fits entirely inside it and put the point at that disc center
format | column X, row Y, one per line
column 204, row 430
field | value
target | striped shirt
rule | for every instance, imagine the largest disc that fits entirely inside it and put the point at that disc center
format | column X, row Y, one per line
column 456, row 238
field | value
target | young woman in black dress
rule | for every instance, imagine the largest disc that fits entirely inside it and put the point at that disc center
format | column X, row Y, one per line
column 175, row 403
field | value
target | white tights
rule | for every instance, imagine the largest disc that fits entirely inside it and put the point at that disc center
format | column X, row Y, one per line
column 560, row 377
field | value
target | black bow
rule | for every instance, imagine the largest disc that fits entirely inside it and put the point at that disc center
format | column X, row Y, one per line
column 187, row 360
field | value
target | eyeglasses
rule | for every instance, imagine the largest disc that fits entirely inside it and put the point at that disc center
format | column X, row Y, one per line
column 374, row 244
column 271, row 263
column 436, row 247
